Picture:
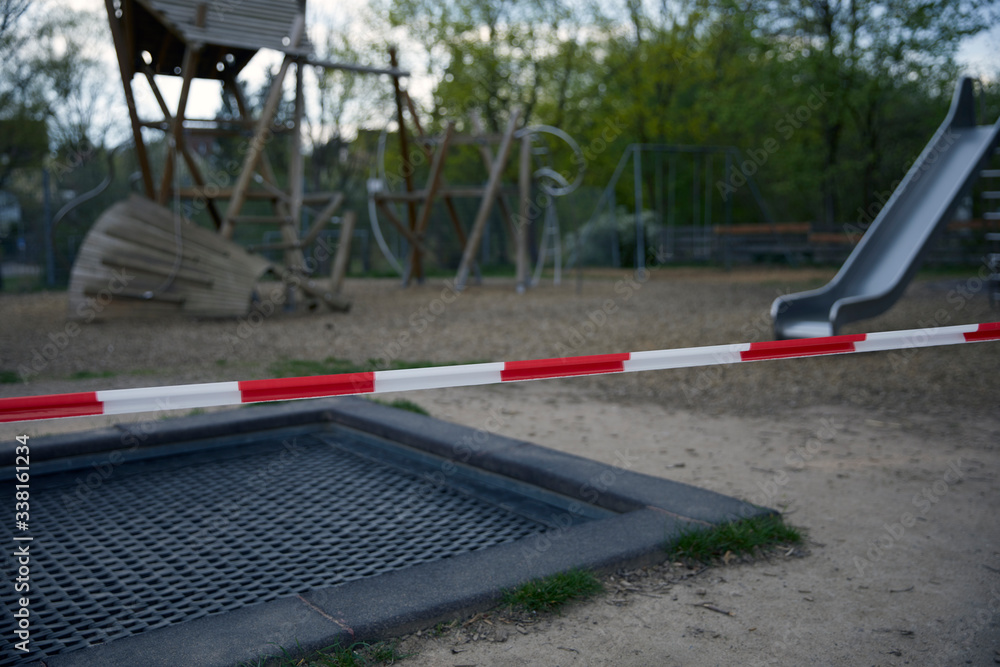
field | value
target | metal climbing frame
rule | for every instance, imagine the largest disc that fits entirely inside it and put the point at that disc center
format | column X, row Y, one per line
column 660, row 167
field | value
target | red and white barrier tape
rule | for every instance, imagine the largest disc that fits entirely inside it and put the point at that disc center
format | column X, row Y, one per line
column 122, row 401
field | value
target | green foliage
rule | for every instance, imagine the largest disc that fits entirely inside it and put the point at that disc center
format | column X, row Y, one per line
column 745, row 537
column 552, row 593
column 334, row 366
column 91, row 375
column 403, row 404
column 9, row 377
column 304, row 367
column 24, row 141
column 849, row 92
column 358, row 654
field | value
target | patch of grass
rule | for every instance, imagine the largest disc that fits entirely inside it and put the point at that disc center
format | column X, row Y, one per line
column 745, row 537
column 328, row 366
column 403, row 404
column 358, row 654
column 551, row 593
column 334, row 366
column 23, row 284
column 91, row 375
column 442, row 628
column 9, row 377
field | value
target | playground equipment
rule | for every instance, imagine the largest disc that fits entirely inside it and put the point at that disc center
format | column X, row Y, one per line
column 535, row 176
column 889, row 254
column 687, row 208
column 214, row 42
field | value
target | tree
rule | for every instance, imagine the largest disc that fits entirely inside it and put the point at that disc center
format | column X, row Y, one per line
column 860, row 52
column 53, row 86
column 493, row 54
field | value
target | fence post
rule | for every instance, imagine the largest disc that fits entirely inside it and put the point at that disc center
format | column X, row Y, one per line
column 50, row 261
column 640, row 235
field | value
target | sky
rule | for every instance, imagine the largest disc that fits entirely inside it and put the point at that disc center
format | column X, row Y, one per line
column 977, row 56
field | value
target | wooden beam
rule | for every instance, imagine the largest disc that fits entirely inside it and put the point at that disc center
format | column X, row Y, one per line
column 125, row 68
column 399, row 225
column 342, row 259
column 404, row 148
column 492, row 188
column 322, row 218
column 266, row 171
column 312, row 288
column 199, row 15
column 361, row 69
column 260, row 135
column 167, row 177
column 425, row 144
column 421, row 139
column 177, row 131
column 188, row 67
column 487, row 156
column 224, row 193
column 433, row 183
column 294, row 258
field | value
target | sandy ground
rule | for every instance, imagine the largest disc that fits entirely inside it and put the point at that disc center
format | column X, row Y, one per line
column 889, row 461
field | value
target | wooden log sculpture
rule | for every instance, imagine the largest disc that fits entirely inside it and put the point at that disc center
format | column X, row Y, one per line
column 141, row 260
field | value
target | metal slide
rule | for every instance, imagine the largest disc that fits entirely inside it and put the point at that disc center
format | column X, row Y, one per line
column 878, row 271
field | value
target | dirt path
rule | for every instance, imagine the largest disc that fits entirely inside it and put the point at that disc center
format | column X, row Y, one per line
column 903, row 563
column 888, row 460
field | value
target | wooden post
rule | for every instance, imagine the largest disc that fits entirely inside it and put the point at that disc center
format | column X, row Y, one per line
column 341, row 261
column 294, row 258
column 178, row 127
column 188, row 66
column 398, row 224
column 321, row 219
column 404, row 148
column 260, row 135
column 123, row 50
column 433, row 183
column 266, row 171
column 492, row 188
column 449, row 202
column 487, row 155
column 521, row 223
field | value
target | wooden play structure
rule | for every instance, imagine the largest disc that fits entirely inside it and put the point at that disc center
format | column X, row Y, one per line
column 179, row 267
column 193, row 39
column 496, row 152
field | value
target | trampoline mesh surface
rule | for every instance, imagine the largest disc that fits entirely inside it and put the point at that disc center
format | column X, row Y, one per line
column 123, row 549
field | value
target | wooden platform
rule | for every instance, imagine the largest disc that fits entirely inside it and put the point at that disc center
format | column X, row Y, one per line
column 139, row 260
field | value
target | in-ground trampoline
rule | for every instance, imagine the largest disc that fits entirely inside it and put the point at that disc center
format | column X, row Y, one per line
column 214, row 539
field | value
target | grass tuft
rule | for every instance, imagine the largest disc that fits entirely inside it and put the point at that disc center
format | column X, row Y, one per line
column 358, row 654
column 403, row 404
column 334, row 366
column 551, row 593
column 745, row 537
column 91, row 375
column 303, row 367
column 9, row 377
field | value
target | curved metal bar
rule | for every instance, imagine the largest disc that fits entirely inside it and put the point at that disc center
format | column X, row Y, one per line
column 378, row 171
column 89, row 194
column 565, row 186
